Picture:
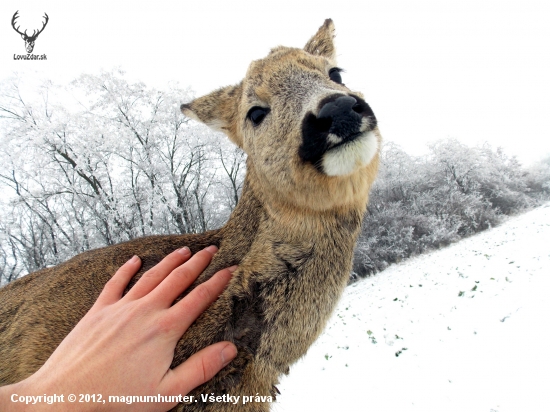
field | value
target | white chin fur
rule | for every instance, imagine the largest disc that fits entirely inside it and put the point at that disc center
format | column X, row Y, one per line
column 344, row 160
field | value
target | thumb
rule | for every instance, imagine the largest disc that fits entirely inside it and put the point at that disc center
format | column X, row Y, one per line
column 198, row 369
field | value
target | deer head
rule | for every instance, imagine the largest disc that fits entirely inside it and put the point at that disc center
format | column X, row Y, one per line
column 29, row 40
column 311, row 141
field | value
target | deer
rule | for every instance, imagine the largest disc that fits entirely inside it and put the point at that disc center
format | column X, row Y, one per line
column 312, row 150
column 29, row 40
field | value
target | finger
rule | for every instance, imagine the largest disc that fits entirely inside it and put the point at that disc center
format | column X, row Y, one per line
column 113, row 289
column 198, row 369
column 157, row 273
column 184, row 313
column 180, row 278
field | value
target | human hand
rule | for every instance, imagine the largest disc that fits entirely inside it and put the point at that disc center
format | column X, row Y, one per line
column 125, row 345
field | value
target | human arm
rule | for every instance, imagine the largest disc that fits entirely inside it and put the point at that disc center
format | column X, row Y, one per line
column 125, row 344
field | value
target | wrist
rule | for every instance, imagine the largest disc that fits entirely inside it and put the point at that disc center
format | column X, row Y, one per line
column 12, row 397
column 24, row 395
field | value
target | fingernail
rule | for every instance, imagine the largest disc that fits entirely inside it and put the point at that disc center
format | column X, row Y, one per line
column 212, row 249
column 232, row 268
column 185, row 251
column 134, row 259
column 228, row 353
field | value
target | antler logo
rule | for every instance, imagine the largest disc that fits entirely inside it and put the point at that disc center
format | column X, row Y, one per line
column 29, row 40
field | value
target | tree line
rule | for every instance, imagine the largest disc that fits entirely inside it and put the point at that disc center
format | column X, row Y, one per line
column 120, row 161
column 425, row 202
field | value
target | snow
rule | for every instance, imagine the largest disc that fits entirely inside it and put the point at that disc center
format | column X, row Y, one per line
column 469, row 324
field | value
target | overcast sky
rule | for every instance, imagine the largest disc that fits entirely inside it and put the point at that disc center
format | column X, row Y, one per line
column 474, row 70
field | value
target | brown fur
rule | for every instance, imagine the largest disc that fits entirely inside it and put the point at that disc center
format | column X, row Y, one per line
column 292, row 235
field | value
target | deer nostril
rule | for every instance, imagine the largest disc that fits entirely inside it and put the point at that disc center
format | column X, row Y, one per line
column 357, row 108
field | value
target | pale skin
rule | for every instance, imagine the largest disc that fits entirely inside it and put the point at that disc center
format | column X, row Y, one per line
column 125, row 344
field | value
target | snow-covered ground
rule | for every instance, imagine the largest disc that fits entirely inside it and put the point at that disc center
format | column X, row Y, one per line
column 463, row 329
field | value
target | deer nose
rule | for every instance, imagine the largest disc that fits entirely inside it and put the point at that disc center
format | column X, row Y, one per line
column 342, row 115
column 341, row 106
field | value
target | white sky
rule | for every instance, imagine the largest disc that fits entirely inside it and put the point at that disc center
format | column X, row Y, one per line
column 474, row 70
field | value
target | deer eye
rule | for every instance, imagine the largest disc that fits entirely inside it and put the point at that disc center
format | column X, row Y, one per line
column 334, row 75
column 257, row 114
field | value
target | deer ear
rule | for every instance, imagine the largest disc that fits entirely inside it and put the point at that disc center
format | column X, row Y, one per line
column 321, row 44
column 217, row 110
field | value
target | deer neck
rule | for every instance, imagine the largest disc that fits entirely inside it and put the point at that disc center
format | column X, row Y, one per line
column 257, row 225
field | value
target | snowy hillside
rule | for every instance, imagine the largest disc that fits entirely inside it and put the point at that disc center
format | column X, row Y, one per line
column 462, row 329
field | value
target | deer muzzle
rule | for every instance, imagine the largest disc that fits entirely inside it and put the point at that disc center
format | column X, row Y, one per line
column 340, row 120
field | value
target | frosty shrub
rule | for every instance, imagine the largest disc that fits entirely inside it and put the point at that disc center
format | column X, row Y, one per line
column 424, row 203
column 539, row 179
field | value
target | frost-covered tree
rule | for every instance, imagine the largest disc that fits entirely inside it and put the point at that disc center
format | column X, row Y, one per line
column 119, row 162
column 422, row 203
